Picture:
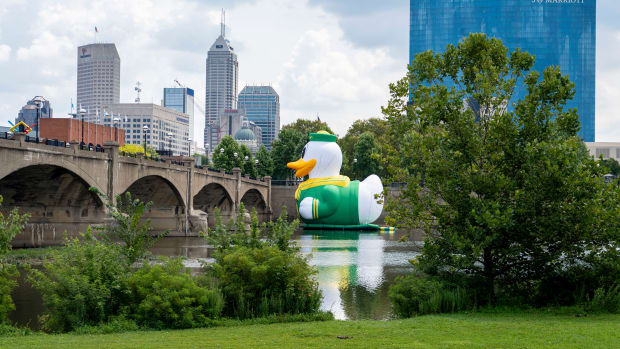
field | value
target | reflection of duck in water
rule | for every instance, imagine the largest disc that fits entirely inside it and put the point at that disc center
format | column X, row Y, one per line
column 328, row 198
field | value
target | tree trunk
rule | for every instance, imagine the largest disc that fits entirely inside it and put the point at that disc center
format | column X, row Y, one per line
column 489, row 275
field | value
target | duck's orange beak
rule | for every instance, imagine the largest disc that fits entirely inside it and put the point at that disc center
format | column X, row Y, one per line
column 302, row 167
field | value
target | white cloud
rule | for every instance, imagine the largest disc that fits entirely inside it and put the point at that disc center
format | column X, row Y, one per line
column 607, row 87
column 5, row 53
column 329, row 76
column 298, row 48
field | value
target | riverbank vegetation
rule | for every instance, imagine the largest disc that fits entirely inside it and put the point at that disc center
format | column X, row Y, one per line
column 514, row 208
column 103, row 280
column 535, row 329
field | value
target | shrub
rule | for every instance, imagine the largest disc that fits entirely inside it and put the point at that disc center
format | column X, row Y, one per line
column 265, row 280
column 10, row 226
column 259, row 272
column 414, row 295
column 166, row 296
column 238, row 232
column 114, row 325
column 128, row 226
column 84, row 283
column 605, row 300
column 8, row 275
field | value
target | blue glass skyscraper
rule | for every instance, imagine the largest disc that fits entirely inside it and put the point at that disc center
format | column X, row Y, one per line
column 262, row 106
column 558, row 32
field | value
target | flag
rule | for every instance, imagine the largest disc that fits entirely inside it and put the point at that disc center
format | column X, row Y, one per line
column 96, row 31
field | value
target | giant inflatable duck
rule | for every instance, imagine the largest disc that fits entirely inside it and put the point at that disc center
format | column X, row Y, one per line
column 328, row 199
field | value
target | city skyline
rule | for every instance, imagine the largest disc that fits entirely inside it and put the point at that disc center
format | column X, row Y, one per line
column 334, row 59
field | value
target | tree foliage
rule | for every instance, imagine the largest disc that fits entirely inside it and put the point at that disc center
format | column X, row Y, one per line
column 83, row 283
column 612, row 166
column 166, row 296
column 136, row 148
column 305, row 127
column 226, row 160
column 365, row 157
column 249, row 167
column 508, row 196
column 265, row 162
column 375, row 126
column 285, row 149
column 10, row 226
column 129, row 227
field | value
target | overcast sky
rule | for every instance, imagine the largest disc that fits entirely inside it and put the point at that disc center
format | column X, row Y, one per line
column 333, row 58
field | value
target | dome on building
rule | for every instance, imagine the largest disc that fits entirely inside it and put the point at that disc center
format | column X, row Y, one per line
column 245, row 134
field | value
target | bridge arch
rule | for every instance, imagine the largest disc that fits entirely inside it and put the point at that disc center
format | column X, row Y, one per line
column 57, row 198
column 254, row 199
column 211, row 196
column 168, row 210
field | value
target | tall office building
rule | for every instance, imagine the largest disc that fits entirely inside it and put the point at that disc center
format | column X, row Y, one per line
column 221, row 87
column 38, row 107
column 558, row 32
column 98, row 79
column 166, row 129
column 181, row 99
column 262, row 106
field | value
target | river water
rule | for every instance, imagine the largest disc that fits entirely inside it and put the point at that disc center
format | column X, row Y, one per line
column 355, row 270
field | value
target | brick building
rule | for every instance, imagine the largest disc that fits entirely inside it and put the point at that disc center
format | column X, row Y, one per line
column 67, row 130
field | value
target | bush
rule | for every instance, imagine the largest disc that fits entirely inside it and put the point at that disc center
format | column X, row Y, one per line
column 605, row 300
column 8, row 275
column 414, row 295
column 128, row 228
column 259, row 272
column 8, row 330
column 261, row 281
column 114, row 325
column 84, row 283
column 166, row 296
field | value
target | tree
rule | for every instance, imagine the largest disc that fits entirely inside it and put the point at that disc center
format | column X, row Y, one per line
column 306, row 127
column 129, row 227
column 135, row 149
column 249, row 167
column 508, row 196
column 286, row 148
column 612, row 165
column 365, row 157
column 377, row 127
column 10, row 226
column 265, row 162
column 204, row 160
column 227, row 159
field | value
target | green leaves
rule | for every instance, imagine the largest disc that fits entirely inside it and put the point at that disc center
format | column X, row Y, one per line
column 504, row 188
column 129, row 227
column 10, row 226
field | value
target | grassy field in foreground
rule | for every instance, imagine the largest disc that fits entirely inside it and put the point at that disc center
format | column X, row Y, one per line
column 481, row 330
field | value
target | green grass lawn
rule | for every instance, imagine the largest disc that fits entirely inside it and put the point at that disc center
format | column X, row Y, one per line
column 480, row 330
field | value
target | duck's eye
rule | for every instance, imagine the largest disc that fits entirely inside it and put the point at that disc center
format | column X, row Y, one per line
column 303, row 152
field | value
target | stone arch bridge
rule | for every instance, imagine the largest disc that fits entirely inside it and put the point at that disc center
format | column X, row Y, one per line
column 51, row 183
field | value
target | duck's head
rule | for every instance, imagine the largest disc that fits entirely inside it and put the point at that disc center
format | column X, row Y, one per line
column 321, row 157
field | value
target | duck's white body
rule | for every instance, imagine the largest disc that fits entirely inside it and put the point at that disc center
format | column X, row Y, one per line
column 328, row 158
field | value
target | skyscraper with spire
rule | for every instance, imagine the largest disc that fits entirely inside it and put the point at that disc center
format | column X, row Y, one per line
column 221, row 85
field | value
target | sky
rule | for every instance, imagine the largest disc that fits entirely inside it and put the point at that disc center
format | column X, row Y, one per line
column 331, row 58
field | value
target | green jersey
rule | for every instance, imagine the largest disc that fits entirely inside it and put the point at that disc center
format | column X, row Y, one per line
column 334, row 204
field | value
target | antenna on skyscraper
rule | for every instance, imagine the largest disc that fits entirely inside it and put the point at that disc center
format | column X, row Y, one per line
column 223, row 24
column 138, row 90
